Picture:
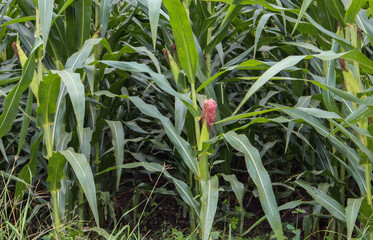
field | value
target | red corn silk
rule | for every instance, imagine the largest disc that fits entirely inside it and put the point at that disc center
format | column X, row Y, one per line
column 209, row 112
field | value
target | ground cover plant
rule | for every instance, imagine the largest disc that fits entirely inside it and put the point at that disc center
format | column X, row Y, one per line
column 151, row 119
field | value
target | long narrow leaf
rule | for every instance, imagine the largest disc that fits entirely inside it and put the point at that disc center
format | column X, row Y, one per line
column 182, row 146
column 186, row 48
column 84, row 174
column 117, row 140
column 45, row 13
column 209, row 201
column 12, row 100
column 261, row 179
column 334, row 207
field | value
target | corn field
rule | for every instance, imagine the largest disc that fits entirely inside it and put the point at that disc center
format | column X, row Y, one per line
column 186, row 119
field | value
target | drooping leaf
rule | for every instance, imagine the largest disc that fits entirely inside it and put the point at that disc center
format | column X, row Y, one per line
column 334, row 207
column 272, row 71
column 11, row 102
column 182, row 146
column 78, row 59
column 117, row 140
column 75, row 88
column 182, row 188
column 261, row 179
column 84, row 174
column 237, row 187
column 158, row 78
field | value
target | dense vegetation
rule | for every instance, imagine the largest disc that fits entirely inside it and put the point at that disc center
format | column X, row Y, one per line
column 108, row 109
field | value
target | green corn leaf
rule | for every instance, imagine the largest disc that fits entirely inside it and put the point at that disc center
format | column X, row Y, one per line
column 58, row 121
column 353, row 10
column 117, row 140
column 330, row 204
column 183, row 35
column 26, row 37
column 362, row 112
column 186, row 194
column 25, row 122
column 104, row 13
column 48, row 94
column 182, row 188
column 267, row 75
column 57, row 41
column 83, row 11
column 209, row 202
column 262, row 22
column 19, row 20
column 85, row 146
column 237, row 187
column 158, row 78
column 264, row 3
column 11, row 102
column 303, row 9
column 75, row 88
column 77, row 60
column 356, row 170
column 63, row 8
column 221, row 33
column 180, row 114
column 261, row 179
column 154, row 10
column 302, row 102
column 365, row 63
column 337, row 10
column 56, row 164
column 84, row 174
column 182, row 146
column 45, row 13
column 352, row 211
column 28, row 171
column 319, row 113
column 331, row 81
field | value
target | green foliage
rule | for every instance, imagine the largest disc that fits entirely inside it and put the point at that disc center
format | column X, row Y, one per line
column 99, row 96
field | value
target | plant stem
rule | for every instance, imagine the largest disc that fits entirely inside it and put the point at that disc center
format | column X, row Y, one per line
column 47, row 130
column 196, row 120
column 197, row 131
column 56, row 214
column 363, row 123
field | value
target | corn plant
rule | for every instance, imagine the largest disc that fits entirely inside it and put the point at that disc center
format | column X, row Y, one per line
column 94, row 92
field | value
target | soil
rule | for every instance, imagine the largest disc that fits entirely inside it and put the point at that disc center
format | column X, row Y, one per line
column 164, row 213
